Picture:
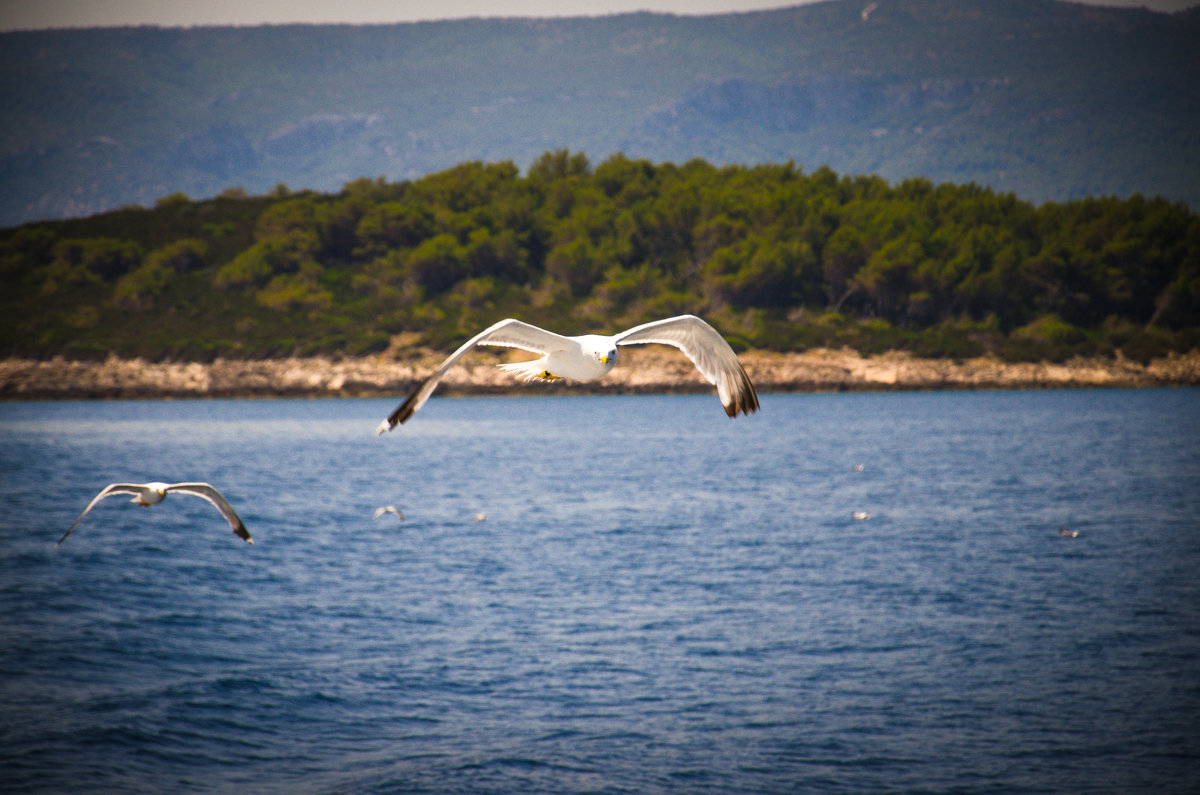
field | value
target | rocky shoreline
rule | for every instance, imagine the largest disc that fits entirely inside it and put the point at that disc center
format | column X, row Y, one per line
column 642, row 370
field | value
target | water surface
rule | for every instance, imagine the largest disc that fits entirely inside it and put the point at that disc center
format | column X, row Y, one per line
column 659, row 599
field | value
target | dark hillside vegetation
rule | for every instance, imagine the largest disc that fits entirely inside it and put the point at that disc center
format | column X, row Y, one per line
column 776, row 257
column 1045, row 99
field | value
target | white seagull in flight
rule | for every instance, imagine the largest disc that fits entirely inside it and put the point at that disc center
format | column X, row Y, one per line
column 380, row 511
column 587, row 357
column 154, row 493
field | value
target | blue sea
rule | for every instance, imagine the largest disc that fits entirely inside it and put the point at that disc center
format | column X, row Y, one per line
column 659, row 599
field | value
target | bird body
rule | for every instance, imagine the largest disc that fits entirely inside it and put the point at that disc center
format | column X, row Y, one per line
column 149, row 494
column 589, row 356
column 153, row 493
column 583, row 358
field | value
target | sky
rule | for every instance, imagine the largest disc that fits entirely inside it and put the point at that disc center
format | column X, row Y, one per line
column 38, row 14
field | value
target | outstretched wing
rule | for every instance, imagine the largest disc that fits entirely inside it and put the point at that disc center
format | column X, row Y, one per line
column 108, row 491
column 708, row 350
column 207, row 492
column 508, row 333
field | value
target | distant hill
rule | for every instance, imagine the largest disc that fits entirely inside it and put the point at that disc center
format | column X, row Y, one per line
column 1049, row 100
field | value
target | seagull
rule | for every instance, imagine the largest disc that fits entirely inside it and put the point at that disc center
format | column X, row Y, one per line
column 1065, row 533
column 479, row 517
column 389, row 509
column 588, row 357
column 154, row 493
column 861, row 515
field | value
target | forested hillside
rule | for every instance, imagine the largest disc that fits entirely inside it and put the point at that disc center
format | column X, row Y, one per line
column 776, row 257
column 1049, row 100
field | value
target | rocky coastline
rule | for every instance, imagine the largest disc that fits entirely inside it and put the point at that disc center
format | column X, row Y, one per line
column 649, row 369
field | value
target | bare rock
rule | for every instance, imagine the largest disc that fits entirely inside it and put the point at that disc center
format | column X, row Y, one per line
column 642, row 369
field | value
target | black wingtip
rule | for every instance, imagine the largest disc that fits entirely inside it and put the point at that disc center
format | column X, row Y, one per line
column 745, row 400
column 399, row 416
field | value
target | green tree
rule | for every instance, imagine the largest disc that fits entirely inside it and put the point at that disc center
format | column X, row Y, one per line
column 436, row 263
column 559, row 164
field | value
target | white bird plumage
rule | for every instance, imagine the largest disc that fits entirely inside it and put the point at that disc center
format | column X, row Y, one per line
column 389, row 509
column 590, row 356
column 154, row 493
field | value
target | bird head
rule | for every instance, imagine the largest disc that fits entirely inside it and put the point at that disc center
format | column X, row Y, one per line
column 600, row 348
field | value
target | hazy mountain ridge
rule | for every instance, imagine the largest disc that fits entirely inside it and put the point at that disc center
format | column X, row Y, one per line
column 1050, row 100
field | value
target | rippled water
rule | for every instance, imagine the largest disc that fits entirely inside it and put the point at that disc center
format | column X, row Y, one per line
column 659, row 599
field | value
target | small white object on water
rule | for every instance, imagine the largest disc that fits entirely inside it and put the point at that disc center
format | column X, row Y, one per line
column 389, row 509
column 861, row 515
column 479, row 517
column 1065, row 533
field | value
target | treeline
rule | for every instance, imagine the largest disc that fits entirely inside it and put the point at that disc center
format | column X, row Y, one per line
column 775, row 257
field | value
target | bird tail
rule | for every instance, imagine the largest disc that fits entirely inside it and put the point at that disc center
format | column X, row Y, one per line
column 534, row 370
